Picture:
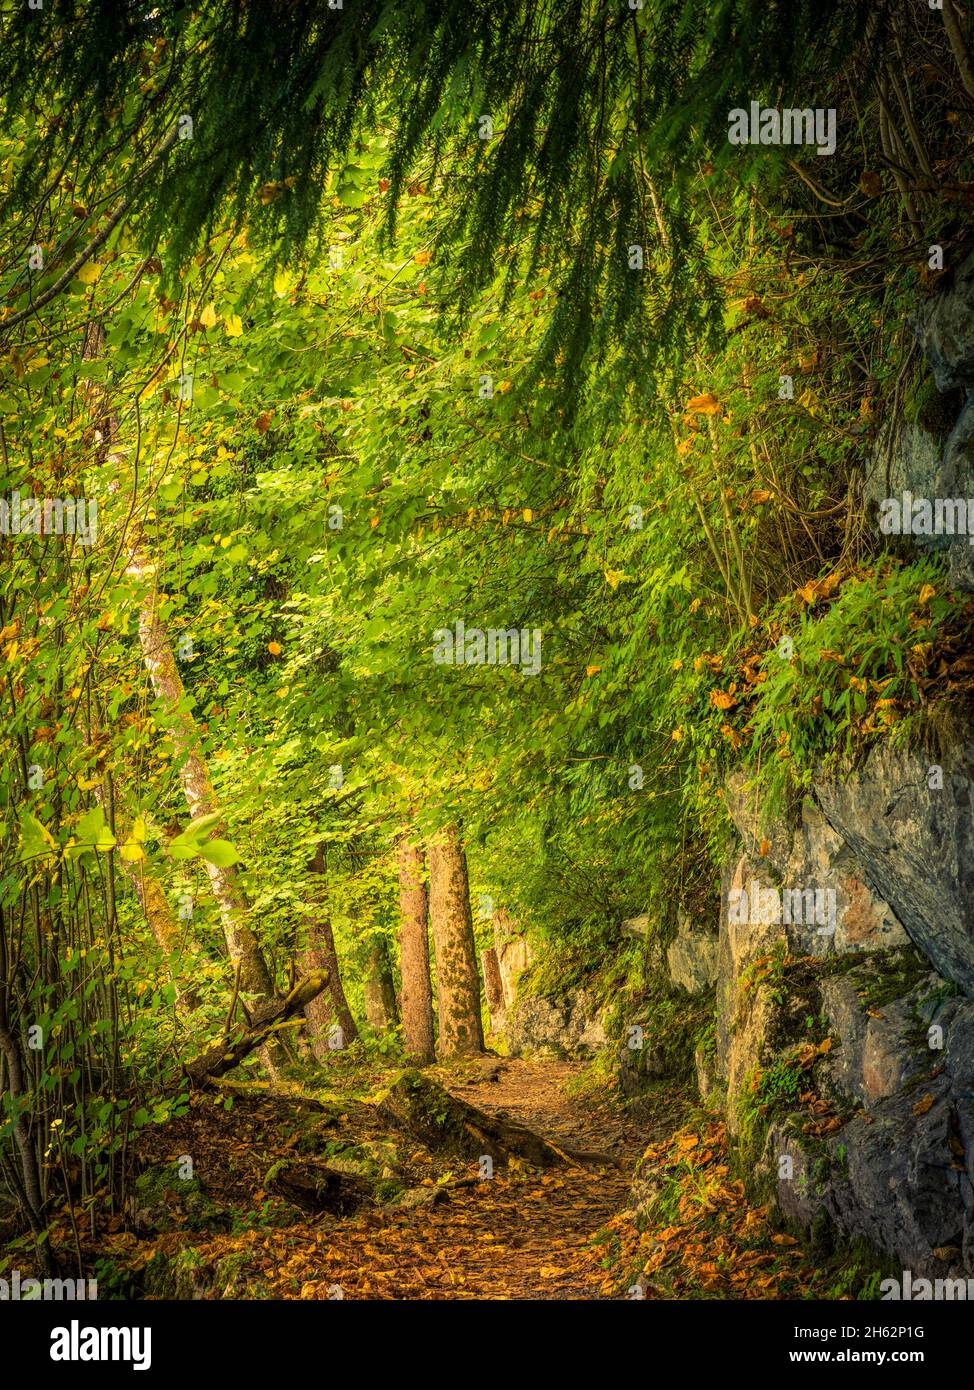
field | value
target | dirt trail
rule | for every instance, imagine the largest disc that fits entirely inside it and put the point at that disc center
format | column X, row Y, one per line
column 517, row 1235
column 521, row 1233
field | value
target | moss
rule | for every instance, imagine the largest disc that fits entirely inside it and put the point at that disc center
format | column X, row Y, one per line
column 932, row 410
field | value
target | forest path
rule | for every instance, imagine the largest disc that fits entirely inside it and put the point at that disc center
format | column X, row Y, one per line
column 520, row 1234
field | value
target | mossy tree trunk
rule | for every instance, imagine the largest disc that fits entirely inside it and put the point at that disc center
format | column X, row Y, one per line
column 457, row 983
column 379, row 989
column 331, row 1007
column 414, row 953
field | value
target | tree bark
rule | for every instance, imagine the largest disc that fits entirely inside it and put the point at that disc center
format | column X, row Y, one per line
column 380, row 992
column 414, row 954
column 457, row 984
column 331, row 1007
column 441, row 1120
column 493, row 987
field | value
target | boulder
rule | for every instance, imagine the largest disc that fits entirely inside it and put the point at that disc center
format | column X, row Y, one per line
column 692, row 958
column 636, row 926
column 569, row 1026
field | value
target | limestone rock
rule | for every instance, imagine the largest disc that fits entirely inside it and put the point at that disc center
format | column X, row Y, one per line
column 692, row 958
column 567, row 1027
column 915, row 842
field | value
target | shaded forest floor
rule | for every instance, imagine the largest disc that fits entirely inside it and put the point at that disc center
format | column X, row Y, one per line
column 566, row 1232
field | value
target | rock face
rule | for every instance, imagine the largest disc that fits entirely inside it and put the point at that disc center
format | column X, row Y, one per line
column 814, row 856
column 900, row 1172
column 909, row 821
column 927, row 450
column 692, row 958
column 744, row 1012
column 945, row 331
column 889, row 994
column 956, row 480
column 567, row 1027
column 906, row 458
column 513, row 955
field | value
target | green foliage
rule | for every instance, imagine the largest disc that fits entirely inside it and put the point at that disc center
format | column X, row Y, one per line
column 301, row 473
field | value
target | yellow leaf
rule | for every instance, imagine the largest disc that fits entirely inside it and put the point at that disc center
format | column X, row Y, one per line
column 89, row 273
column 282, row 282
column 208, row 316
column 132, row 851
column 592, row 670
column 705, row 404
column 927, row 593
column 233, row 325
column 422, row 258
column 528, row 515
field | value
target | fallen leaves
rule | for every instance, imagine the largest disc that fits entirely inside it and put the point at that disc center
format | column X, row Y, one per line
column 721, row 1245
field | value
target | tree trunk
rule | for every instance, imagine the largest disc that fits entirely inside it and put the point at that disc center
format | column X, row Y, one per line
column 242, row 947
column 457, row 985
column 380, row 992
column 414, row 954
column 330, row 1008
column 194, row 777
column 493, row 987
column 152, row 899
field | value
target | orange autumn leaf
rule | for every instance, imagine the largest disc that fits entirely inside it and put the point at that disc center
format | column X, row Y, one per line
column 705, row 404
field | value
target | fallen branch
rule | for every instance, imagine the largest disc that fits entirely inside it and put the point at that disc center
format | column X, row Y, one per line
column 224, row 1056
column 441, row 1120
